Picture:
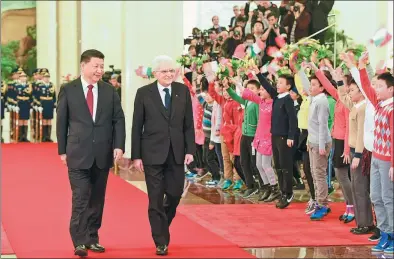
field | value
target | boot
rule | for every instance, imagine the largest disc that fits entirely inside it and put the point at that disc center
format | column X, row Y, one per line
column 20, row 135
column 25, row 130
column 49, row 133
column 275, row 193
column 265, row 192
column 1, row 129
column 44, row 133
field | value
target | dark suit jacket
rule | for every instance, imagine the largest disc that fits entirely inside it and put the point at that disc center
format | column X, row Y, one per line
column 319, row 12
column 154, row 128
column 83, row 140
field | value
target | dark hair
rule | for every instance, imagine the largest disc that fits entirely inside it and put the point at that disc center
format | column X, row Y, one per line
column 240, row 19
column 207, row 45
column 289, row 80
column 303, row 2
column 270, row 15
column 191, row 47
column 91, row 53
column 204, row 84
column 254, row 82
column 388, row 78
column 250, row 36
column 258, row 22
column 349, row 79
column 329, row 77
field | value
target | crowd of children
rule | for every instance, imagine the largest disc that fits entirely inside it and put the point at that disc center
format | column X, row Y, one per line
column 252, row 132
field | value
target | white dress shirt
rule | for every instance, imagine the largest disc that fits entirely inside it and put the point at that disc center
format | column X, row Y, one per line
column 162, row 93
column 95, row 95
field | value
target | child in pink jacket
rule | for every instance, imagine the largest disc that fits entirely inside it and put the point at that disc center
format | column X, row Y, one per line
column 262, row 143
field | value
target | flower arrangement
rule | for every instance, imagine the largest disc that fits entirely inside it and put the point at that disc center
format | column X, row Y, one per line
column 303, row 50
column 185, row 60
column 144, row 72
column 235, row 67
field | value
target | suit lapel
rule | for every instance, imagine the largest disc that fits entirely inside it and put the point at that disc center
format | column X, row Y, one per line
column 81, row 98
column 157, row 99
column 100, row 99
column 174, row 99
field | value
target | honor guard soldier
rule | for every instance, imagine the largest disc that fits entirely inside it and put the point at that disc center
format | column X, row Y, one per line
column 23, row 90
column 37, row 77
column 11, row 100
column 47, row 99
column 3, row 98
column 11, row 97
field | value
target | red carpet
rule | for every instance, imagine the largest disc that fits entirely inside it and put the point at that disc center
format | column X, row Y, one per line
column 262, row 225
column 36, row 208
column 6, row 248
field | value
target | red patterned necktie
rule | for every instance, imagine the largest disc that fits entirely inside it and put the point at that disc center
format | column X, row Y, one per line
column 89, row 99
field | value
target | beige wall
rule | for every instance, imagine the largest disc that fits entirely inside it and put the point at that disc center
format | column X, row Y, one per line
column 47, row 37
column 68, row 38
column 101, row 25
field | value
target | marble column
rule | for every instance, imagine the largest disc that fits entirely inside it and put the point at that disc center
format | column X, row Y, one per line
column 47, row 37
column 68, row 38
column 149, row 29
column 47, row 40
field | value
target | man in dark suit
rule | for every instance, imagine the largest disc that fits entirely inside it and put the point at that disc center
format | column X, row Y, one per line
column 319, row 11
column 91, row 133
column 162, row 142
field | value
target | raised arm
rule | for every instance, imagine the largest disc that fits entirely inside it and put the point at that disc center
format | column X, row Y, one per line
column 212, row 92
column 235, row 96
column 189, row 85
column 306, row 85
column 366, row 86
column 267, row 86
column 344, row 96
column 327, row 84
column 250, row 96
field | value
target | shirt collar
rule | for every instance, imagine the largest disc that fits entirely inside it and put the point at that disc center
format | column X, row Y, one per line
column 161, row 88
column 86, row 84
column 386, row 102
column 283, row 95
column 319, row 96
column 357, row 105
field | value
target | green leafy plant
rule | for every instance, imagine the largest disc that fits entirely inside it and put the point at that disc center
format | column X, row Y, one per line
column 31, row 61
column 8, row 58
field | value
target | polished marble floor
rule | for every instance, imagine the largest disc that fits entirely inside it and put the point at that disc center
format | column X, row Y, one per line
column 198, row 193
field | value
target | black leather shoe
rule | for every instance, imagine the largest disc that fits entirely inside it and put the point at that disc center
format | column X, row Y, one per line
column 81, row 250
column 97, row 248
column 363, row 230
column 162, row 250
